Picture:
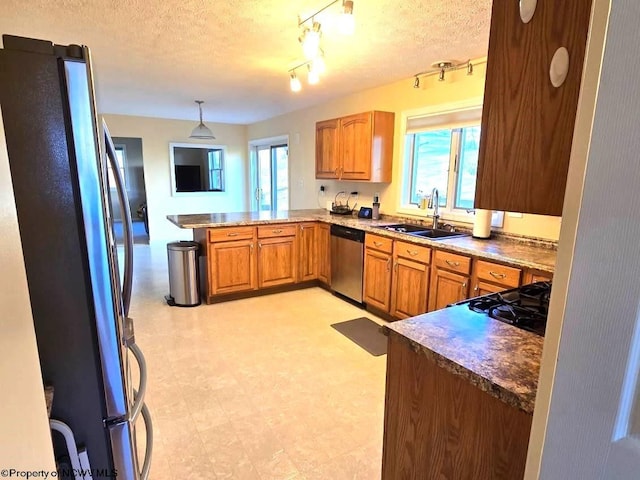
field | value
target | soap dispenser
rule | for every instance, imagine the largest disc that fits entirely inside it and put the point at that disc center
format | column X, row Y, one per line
column 375, row 211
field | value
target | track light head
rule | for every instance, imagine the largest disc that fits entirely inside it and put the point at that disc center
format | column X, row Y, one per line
column 294, row 83
column 441, row 75
column 469, row 68
column 416, row 83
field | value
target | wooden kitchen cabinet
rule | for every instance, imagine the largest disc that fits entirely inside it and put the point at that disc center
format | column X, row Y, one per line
column 532, row 276
column 450, row 279
column 327, row 148
column 356, row 147
column 324, row 253
column 410, row 279
column 308, row 251
column 489, row 277
column 377, row 272
column 527, row 123
column 231, row 260
column 439, row 425
column 277, row 255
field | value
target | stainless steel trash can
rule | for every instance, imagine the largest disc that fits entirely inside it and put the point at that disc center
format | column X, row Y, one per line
column 184, row 278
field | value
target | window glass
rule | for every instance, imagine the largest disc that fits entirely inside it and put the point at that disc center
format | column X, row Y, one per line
column 430, row 166
column 467, row 167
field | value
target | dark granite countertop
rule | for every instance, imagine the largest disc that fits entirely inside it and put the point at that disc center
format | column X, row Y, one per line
column 524, row 254
column 500, row 359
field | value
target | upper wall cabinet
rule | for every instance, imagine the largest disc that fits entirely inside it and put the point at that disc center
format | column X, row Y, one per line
column 356, row 147
column 530, row 101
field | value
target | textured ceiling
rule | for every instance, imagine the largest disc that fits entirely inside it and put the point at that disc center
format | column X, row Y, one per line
column 154, row 57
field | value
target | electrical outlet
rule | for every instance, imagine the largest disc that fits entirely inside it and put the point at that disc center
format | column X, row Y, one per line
column 322, row 190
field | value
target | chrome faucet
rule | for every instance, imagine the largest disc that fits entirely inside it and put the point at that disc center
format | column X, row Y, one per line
column 434, row 203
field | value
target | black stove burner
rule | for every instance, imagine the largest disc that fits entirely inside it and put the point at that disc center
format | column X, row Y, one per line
column 525, row 307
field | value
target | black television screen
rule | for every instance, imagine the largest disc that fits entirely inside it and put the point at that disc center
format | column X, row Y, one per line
column 188, row 178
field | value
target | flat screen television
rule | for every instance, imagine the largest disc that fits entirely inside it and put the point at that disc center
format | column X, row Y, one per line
column 188, row 178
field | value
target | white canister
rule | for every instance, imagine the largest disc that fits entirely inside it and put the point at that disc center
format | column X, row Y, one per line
column 482, row 224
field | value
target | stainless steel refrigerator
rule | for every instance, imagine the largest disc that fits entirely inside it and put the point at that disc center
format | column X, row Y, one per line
column 58, row 156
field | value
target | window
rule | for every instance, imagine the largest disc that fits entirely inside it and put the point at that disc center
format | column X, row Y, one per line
column 441, row 151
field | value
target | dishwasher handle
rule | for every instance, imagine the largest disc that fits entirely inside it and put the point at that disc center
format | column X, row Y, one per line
column 348, row 233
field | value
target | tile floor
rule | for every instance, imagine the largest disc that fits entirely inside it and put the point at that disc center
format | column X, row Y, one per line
column 261, row 388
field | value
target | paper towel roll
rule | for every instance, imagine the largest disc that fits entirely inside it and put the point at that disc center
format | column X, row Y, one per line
column 482, row 224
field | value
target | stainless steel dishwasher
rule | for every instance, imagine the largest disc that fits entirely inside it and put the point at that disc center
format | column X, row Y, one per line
column 347, row 261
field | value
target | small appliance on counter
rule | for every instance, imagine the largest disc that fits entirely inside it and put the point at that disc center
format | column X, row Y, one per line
column 339, row 208
column 376, row 207
column 365, row 212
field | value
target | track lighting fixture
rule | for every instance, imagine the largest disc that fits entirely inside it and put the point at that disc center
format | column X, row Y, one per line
column 201, row 131
column 440, row 69
column 310, row 41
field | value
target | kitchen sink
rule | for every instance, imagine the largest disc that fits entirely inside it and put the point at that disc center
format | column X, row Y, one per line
column 421, row 231
column 436, row 233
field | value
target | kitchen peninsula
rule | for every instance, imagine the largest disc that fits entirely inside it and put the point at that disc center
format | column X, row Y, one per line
column 260, row 252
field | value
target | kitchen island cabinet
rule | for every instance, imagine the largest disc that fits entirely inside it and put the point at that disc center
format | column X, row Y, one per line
column 459, row 397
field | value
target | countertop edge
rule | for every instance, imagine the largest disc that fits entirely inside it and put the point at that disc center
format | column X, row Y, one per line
column 448, row 245
column 524, row 403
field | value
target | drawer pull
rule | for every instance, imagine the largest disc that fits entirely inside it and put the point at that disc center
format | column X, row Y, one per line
column 452, row 264
column 497, row 275
column 277, row 231
column 377, row 244
column 232, row 234
column 413, row 253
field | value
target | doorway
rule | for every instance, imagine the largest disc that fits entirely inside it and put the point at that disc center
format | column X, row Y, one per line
column 270, row 174
column 130, row 164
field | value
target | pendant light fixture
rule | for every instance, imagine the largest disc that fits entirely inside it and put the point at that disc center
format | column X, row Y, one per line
column 201, row 132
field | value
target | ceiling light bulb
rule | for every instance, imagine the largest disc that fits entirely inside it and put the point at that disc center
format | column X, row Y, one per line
column 441, row 75
column 313, row 77
column 416, row 83
column 296, row 86
column 311, row 43
column 318, row 65
column 347, row 23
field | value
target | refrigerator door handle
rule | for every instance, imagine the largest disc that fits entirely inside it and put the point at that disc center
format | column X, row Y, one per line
column 127, row 281
column 148, row 451
column 138, row 404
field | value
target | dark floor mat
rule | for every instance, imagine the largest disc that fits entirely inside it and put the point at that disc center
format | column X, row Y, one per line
column 366, row 333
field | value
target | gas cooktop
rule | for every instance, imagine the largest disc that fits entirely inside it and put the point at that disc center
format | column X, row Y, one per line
column 524, row 307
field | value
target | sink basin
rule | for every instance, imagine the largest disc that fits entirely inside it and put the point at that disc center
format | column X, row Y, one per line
column 404, row 228
column 421, row 231
column 436, row 234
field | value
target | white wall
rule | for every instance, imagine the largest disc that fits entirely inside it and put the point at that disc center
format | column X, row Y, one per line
column 396, row 97
column 25, row 439
column 156, row 134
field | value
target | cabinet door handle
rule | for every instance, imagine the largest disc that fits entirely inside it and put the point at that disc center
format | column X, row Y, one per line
column 232, row 234
column 377, row 244
column 251, row 247
column 462, row 289
column 497, row 275
column 389, row 264
column 277, row 231
column 476, row 288
column 396, row 267
column 260, row 246
column 453, row 264
column 413, row 253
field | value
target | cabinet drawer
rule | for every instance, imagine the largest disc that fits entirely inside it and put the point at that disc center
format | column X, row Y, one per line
column 453, row 262
column 269, row 231
column 501, row 274
column 230, row 233
column 413, row 252
column 383, row 244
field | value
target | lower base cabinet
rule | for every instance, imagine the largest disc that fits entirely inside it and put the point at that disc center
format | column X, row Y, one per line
column 231, row 267
column 277, row 261
column 324, row 253
column 438, row 425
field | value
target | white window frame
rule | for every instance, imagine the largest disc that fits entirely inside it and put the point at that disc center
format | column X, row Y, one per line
column 253, row 146
column 447, row 213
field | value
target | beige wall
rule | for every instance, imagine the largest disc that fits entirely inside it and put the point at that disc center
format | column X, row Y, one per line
column 25, row 441
column 156, row 135
column 397, row 97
